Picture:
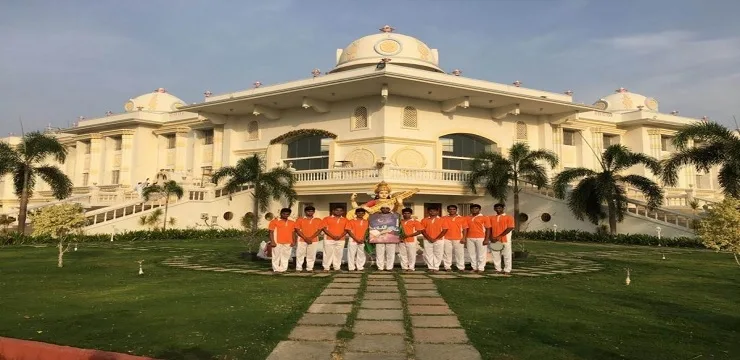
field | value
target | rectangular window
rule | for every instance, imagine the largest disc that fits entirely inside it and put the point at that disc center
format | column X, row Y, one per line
column 115, row 177
column 448, row 145
column 171, row 141
column 208, row 137
column 569, row 137
column 85, row 178
column 610, row 140
column 117, row 143
column 464, row 209
column 666, row 143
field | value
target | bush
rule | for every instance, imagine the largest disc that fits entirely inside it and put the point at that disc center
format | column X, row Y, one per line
column 140, row 235
column 601, row 238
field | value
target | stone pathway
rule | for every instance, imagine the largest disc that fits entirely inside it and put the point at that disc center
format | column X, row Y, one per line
column 378, row 316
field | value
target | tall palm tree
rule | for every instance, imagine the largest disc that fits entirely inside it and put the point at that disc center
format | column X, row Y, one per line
column 26, row 161
column 500, row 174
column 718, row 146
column 276, row 183
column 166, row 190
column 607, row 187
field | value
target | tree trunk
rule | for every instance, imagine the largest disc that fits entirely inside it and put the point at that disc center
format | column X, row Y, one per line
column 60, row 259
column 256, row 219
column 612, row 211
column 23, row 205
column 166, row 207
column 516, row 206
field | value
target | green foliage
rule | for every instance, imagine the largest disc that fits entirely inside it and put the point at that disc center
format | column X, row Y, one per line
column 5, row 221
column 300, row 133
column 720, row 230
column 152, row 220
column 140, row 235
column 247, row 221
column 605, row 238
column 166, row 190
column 58, row 221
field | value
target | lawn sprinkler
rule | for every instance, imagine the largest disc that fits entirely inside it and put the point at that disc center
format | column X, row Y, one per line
column 658, row 230
column 141, row 269
column 113, row 233
column 555, row 232
column 75, row 246
column 627, row 281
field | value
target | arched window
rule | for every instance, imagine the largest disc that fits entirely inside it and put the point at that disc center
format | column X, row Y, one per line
column 359, row 119
column 521, row 130
column 253, row 130
column 458, row 150
column 308, row 153
column 410, row 118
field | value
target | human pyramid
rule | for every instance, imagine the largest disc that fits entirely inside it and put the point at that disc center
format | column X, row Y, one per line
column 445, row 238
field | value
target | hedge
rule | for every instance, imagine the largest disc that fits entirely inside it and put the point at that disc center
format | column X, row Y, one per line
column 13, row 238
column 621, row 239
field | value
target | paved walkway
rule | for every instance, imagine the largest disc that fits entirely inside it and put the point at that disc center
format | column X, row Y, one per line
column 378, row 316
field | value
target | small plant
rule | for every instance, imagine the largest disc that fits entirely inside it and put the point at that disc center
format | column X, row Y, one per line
column 694, row 205
column 60, row 222
column 152, row 220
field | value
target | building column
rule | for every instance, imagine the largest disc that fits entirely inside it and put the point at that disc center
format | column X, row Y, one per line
column 655, row 151
column 557, row 144
column 97, row 166
column 79, row 168
column 127, row 156
column 70, row 166
column 597, row 141
column 181, row 151
column 218, row 148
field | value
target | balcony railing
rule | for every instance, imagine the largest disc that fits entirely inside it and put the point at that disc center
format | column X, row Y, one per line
column 388, row 173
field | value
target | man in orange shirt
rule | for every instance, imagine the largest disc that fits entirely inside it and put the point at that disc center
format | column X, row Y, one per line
column 407, row 247
column 308, row 229
column 282, row 239
column 335, row 227
column 501, row 227
column 435, row 229
column 356, row 229
column 479, row 227
column 454, row 245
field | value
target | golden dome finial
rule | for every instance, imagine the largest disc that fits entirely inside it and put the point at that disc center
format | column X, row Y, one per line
column 387, row 29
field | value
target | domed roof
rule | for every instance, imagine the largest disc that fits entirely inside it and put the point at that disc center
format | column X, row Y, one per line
column 397, row 48
column 623, row 100
column 157, row 101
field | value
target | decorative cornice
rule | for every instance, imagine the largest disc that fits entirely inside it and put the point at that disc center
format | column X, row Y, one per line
column 655, row 131
column 118, row 132
column 171, row 130
column 247, row 152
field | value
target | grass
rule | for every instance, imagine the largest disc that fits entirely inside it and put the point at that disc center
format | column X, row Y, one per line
column 98, row 301
column 685, row 307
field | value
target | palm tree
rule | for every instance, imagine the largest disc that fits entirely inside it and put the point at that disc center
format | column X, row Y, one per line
column 166, row 190
column 276, row 183
column 498, row 174
column 596, row 189
column 26, row 161
column 718, row 146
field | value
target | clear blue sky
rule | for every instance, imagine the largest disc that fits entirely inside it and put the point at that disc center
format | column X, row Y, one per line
column 63, row 59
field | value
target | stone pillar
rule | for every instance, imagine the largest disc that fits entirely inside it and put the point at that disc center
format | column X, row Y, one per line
column 79, row 168
column 218, row 148
column 127, row 156
column 557, row 144
column 70, row 166
column 597, row 142
column 655, row 151
column 181, row 143
column 97, row 166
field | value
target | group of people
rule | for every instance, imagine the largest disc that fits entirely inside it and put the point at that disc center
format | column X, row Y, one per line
column 445, row 240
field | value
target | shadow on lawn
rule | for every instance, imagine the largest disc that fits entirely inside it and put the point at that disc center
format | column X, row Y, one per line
column 193, row 353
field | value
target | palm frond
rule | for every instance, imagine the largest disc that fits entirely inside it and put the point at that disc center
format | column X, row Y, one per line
column 586, row 199
column 224, row 172
column 173, row 188
column 703, row 158
column 150, row 190
column 653, row 192
column 279, row 182
column 493, row 172
column 729, row 179
column 533, row 173
column 61, row 185
column 518, row 152
column 563, row 180
column 36, row 146
column 18, row 174
column 8, row 158
column 706, row 132
column 547, row 156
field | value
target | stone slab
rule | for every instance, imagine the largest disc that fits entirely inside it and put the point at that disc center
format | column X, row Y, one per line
column 313, row 350
column 377, row 343
column 443, row 276
column 347, row 280
column 437, row 336
column 426, row 301
column 381, row 289
column 373, row 356
column 527, row 274
column 321, row 275
column 471, row 276
column 424, row 280
column 381, row 283
column 430, row 310
column 339, row 292
column 446, row 352
column 413, row 276
column 334, row 299
column 314, row 333
column 336, row 285
column 330, row 308
column 379, row 327
column 430, row 286
column 347, row 275
column 435, row 321
column 374, row 314
column 422, row 293
column 383, row 296
column 323, row 319
column 380, row 277
column 381, row 304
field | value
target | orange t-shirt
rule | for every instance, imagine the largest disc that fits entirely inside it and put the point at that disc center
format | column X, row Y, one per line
column 358, row 228
column 477, row 226
column 335, row 225
column 455, row 226
column 499, row 223
column 282, row 231
column 309, row 226
column 434, row 226
column 411, row 226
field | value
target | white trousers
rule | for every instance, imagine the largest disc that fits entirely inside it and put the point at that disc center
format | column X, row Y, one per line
column 453, row 249
column 477, row 252
column 280, row 257
column 385, row 256
column 305, row 252
column 407, row 254
column 506, row 253
column 433, row 252
column 355, row 256
column 333, row 253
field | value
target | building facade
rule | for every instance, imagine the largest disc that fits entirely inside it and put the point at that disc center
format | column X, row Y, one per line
column 385, row 112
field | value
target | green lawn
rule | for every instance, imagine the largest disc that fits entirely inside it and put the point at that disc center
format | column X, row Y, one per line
column 98, row 301
column 685, row 307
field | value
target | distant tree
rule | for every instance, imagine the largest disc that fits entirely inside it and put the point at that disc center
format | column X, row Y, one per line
column 715, row 145
column 27, row 161
column 274, row 184
column 166, row 190
column 499, row 174
column 720, row 229
column 597, row 190
column 59, row 222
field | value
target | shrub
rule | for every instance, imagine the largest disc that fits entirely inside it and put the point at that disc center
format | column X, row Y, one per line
column 605, row 238
column 141, row 235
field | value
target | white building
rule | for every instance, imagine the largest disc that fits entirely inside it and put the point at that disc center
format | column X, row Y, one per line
column 386, row 111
